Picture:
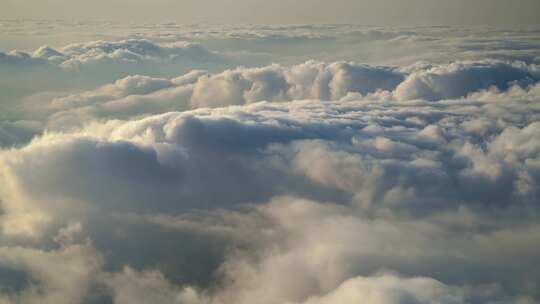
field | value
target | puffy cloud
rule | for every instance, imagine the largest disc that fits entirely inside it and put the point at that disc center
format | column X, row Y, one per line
column 77, row 55
column 132, row 51
column 340, row 81
column 308, row 80
column 132, row 287
column 377, row 149
column 83, row 66
column 321, row 41
column 46, row 52
column 306, row 252
column 58, row 276
column 460, row 79
column 311, row 183
column 388, row 289
column 417, row 184
column 130, row 85
column 18, row 57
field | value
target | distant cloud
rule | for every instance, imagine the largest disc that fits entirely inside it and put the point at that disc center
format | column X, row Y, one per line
column 138, row 95
column 462, row 78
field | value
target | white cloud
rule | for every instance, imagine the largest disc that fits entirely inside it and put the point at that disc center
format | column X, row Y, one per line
column 404, row 163
column 142, row 95
column 309, row 183
column 61, row 276
column 460, row 79
column 387, row 289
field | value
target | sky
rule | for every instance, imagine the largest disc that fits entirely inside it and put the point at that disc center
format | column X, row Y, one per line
column 146, row 158
column 502, row 13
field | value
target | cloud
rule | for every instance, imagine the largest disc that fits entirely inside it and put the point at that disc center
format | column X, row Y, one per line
column 82, row 66
column 340, row 81
column 460, row 79
column 18, row 58
column 309, row 252
column 131, row 51
column 108, row 51
column 135, row 287
column 61, row 276
column 313, row 182
column 309, row 80
column 417, row 183
column 375, row 149
column 388, row 289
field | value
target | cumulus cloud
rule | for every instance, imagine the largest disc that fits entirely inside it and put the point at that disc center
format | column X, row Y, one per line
column 311, row 183
column 18, row 57
column 128, row 51
column 131, row 51
column 340, row 81
column 417, row 168
column 61, row 276
column 247, row 85
column 82, row 66
column 460, row 79
column 388, row 289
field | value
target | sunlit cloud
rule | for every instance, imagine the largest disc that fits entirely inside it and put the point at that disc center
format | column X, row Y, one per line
column 310, row 164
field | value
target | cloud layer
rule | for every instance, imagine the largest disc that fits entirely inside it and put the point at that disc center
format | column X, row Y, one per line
column 308, row 183
column 139, row 95
column 429, row 181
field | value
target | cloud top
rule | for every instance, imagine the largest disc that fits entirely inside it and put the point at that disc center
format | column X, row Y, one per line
column 133, row 180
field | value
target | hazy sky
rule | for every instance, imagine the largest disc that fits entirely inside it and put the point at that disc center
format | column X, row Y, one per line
column 383, row 12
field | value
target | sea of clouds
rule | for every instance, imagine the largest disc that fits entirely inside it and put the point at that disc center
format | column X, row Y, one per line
column 328, row 164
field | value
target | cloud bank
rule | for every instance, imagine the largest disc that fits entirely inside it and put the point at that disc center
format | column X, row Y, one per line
column 318, row 179
column 141, row 95
column 310, row 183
